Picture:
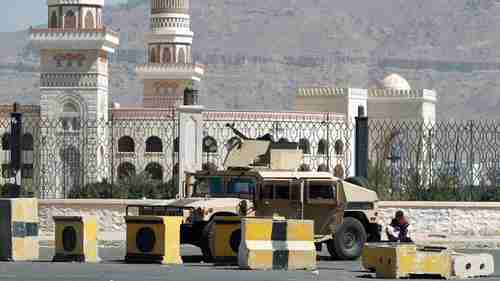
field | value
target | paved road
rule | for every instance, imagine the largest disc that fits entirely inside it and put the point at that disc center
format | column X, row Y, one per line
column 192, row 270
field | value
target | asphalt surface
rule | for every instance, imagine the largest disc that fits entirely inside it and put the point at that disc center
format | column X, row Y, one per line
column 113, row 269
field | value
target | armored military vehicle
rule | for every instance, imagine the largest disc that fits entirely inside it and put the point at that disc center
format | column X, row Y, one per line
column 261, row 178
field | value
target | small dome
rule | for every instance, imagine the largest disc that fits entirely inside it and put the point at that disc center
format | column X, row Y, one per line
column 395, row 82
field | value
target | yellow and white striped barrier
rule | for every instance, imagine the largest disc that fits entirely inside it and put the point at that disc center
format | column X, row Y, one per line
column 76, row 239
column 19, row 229
column 393, row 260
column 153, row 239
column 225, row 238
column 277, row 244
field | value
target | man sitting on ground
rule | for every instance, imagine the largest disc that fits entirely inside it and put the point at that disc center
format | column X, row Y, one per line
column 398, row 229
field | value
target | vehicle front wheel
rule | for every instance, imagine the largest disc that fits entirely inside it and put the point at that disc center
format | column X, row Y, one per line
column 348, row 241
column 205, row 242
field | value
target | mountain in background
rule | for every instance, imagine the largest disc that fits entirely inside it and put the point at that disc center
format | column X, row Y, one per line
column 258, row 52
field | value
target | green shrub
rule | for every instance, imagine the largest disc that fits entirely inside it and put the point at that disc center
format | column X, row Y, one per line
column 133, row 187
column 10, row 190
column 100, row 190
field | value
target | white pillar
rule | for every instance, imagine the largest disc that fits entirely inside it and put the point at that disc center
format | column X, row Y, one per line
column 190, row 142
column 355, row 99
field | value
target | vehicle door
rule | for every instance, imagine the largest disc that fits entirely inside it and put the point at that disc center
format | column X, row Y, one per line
column 274, row 198
column 321, row 205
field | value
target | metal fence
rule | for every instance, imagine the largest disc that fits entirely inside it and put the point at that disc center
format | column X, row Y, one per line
column 67, row 155
column 446, row 160
column 408, row 160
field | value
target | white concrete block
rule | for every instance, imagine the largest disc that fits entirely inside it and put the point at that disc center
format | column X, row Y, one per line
column 468, row 265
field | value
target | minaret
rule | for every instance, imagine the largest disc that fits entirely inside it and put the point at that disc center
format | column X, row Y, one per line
column 74, row 59
column 170, row 68
column 73, row 94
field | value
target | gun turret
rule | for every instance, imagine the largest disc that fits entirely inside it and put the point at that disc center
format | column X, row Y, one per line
column 262, row 152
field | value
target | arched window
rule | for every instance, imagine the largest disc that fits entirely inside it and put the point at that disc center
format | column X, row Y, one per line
column 323, row 147
column 152, row 54
column 176, row 145
column 182, row 56
column 70, row 117
column 167, row 57
column 283, row 140
column 89, row 20
column 305, row 146
column 126, row 144
column 154, row 144
column 6, row 141
column 339, row 147
column 155, row 170
column 53, row 20
column 323, row 168
column 70, row 108
column 304, row 168
column 210, row 167
column 209, row 145
column 28, row 142
column 126, row 170
column 7, row 171
column 157, row 55
column 338, row 171
column 70, row 20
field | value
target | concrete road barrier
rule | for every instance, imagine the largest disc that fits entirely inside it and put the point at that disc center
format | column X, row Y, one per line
column 472, row 265
column 76, row 239
column 277, row 244
column 396, row 260
column 19, row 229
column 153, row 239
column 392, row 260
column 225, row 238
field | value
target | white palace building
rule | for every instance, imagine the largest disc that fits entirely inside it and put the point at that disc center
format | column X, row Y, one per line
column 77, row 135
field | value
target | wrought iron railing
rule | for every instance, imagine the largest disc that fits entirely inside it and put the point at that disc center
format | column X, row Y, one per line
column 69, row 154
column 408, row 160
column 445, row 160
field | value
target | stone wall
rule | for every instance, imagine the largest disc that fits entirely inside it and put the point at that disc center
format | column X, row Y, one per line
column 458, row 224
column 109, row 213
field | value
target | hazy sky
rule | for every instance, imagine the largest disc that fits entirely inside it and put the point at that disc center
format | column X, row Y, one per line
column 20, row 14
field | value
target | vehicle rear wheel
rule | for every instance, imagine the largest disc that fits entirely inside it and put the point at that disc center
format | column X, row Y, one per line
column 349, row 240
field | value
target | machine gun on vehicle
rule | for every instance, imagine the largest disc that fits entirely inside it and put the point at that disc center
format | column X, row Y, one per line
column 261, row 152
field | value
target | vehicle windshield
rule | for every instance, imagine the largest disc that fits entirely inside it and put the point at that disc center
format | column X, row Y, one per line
column 241, row 186
column 208, row 186
column 215, row 186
